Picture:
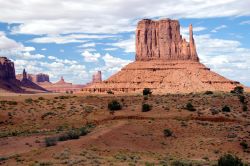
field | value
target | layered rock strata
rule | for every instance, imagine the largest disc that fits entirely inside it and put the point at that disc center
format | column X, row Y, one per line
column 164, row 62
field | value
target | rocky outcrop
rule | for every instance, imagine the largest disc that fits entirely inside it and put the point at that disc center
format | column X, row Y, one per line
column 36, row 78
column 61, row 86
column 161, row 40
column 7, row 69
column 165, row 62
column 42, row 77
column 8, row 81
column 97, row 77
column 27, row 83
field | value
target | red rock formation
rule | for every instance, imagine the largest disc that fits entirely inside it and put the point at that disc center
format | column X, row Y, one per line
column 161, row 40
column 97, row 77
column 7, row 69
column 42, row 77
column 61, row 86
column 36, row 78
column 165, row 62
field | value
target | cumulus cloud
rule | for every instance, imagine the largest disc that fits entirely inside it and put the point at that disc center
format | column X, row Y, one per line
column 71, row 38
column 42, row 17
column 127, row 45
column 91, row 57
column 216, row 29
column 113, row 64
column 11, row 48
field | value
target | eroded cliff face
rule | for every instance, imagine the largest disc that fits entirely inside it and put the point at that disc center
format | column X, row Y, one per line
column 7, row 69
column 161, row 40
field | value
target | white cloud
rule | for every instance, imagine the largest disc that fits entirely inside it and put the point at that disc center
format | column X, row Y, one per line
column 195, row 29
column 127, row 45
column 72, row 38
column 110, row 49
column 42, row 17
column 216, row 29
column 11, row 48
column 245, row 22
column 91, row 57
column 86, row 45
column 113, row 64
column 44, row 49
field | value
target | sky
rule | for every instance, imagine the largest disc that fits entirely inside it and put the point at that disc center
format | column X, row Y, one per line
column 76, row 38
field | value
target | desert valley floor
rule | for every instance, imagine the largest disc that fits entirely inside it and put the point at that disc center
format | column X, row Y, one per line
column 125, row 137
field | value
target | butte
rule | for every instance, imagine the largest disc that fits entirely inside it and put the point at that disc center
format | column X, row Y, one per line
column 164, row 62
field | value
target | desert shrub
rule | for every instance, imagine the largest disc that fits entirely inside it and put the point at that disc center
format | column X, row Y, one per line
column 146, row 107
column 110, row 92
column 167, row 132
column 238, row 90
column 244, row 145
column 244, row 108
column 63, row 97
column 180, row 163
column 229, row 160
column 146, row 91
column 242, row 99
column 114, row 105
column 29, row 100
column 190, row 107
column 41, row 98
column 48, row 114
column 208, row 93
column 84, row 131
column 73, row 134
column 88, row 109
column 12, row 102
column 145, row 97
column 226, row 109
column 50, row 141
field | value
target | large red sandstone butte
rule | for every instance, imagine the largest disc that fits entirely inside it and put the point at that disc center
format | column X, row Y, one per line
column 165, row 62
column 9, row 83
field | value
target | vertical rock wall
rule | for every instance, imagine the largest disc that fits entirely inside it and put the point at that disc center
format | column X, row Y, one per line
column 161, row 40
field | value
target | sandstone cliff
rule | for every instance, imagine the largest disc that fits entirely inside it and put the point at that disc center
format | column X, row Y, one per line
column 7, row 69
column 165, row 62
column 161, row 40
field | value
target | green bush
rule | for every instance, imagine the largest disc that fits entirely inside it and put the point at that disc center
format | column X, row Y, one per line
column 29, row 100
column 242, row 99
column 190, row 107
column 73, row 134
column 180, row 163
column 146, row 107
column 41, row 98
column 208, row 93
column 226, row 109
column 114, row 105
column 147, row 91
column 244, row 108
column 167, row 132
column 50, row 141
column 229, row 160
column 244, row 145
column 110, row 92
column 238, row 90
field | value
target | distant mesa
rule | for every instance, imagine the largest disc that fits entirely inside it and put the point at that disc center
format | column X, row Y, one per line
column 61, row 86
column 9, row 83
column 97, row 77
column 164, row 62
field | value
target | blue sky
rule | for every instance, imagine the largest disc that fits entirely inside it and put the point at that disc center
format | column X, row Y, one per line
column 78, row 37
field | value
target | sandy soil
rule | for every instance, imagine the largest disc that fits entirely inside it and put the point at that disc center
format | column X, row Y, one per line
column 127, row 137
